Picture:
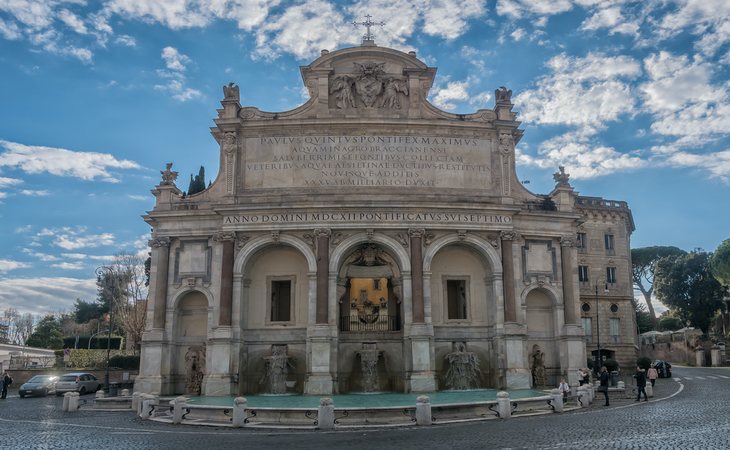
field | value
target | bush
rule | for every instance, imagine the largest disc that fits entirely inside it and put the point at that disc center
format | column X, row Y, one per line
column 644, row 362
column 125, row 362
column 611, row 364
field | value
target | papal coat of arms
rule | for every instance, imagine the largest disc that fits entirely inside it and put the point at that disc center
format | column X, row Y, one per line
column 370, row 85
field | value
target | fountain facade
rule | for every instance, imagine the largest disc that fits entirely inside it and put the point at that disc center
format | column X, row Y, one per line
column 276, row 370
column 463, row 368
column 369, row 356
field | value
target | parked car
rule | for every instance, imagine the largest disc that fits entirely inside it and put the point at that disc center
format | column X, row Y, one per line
column 39, row 385
column 80, row 382
column 663, row 368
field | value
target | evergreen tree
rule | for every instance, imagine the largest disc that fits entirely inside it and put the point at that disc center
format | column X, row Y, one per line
column 197, row 184
column 47, row 334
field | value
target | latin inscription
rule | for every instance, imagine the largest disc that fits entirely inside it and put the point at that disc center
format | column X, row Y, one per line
column 341, row 161
column 366, row 217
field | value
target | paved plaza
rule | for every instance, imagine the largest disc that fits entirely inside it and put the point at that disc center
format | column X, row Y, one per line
column 689, row 411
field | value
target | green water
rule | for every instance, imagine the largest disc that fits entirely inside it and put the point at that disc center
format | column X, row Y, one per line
column 385, row 399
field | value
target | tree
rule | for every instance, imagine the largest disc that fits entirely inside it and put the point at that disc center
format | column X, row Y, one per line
column 644, row 321
column 643, row 266
column 47, row 334
column 85, row 311
column 670, row 323
column 197, row 184
column 720, row 263
column 685, row 284
column 126, row 284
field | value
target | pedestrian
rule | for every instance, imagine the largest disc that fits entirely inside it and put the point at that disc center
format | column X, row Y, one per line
column 586, row 376
column 7, row 381
column 641, row 384
column 564, row 388
column 652, row 375
column 581, row 377
column 604, row 383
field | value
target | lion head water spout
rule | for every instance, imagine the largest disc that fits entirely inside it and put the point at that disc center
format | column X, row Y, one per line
column 369, row 356
column 463, row 368
column 277, row 369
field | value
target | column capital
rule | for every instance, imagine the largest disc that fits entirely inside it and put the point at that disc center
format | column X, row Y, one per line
column 416, row 232
column 322, row 232
column 159, row 242
column 224, row 236
column 567, row 241
column 508, row 235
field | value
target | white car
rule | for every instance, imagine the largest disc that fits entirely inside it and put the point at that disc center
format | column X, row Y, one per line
column 80, row 382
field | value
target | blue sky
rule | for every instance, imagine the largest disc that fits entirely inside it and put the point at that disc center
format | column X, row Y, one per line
column 633, row 98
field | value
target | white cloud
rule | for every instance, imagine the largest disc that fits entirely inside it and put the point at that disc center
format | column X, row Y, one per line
column 612, row 19
column 10, row 30
column 69, row 265
column 7, row 265
column 582, row 156
column 709, row 19
column 62, row 162
column 3, row 195
column 41, row 256
column 453, row 91
column 179, row 91
column 716, row 163
column 74, row 241
column 86, row 256
column 5, row 182
column 72, row 21
column 584, row 92
column 174, row 60
column 34, row 193
column 518, row 9
column 518, row 34
column 126, row 40
column 44, row 294
column 141, row 198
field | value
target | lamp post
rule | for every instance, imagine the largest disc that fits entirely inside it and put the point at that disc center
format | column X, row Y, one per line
column 95, row 334
column 598, row 324
column 100, row 272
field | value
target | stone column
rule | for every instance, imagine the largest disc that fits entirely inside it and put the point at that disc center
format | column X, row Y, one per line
column 416, row 235
column 323, row 263
column 228, row 239
column 508, row 276
column 161, row 247
column 567, row 269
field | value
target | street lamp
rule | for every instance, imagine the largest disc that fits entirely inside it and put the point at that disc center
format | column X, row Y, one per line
column 100, row 272
column 598, row 324
column 95, row 334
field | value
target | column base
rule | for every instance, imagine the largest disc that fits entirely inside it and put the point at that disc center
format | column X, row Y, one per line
column 518, row 379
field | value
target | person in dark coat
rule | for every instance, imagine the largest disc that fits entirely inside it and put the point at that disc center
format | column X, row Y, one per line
column 6, row 381
column 604, row 383
column 641, row 384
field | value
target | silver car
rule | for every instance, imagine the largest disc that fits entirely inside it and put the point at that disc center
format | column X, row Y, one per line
column 80, row 382
column 38, row 385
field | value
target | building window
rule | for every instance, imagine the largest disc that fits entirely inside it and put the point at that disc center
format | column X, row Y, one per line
column 610, row 275
column 588, row 328
column 581, row 242
column 615, row 330
column 583, row 274
column 281, row 300
column 376, row 284
column 585, row 307
column 614, row 308
column 456, row 299
column 608, row 243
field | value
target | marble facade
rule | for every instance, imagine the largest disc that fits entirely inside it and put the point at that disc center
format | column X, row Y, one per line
column 369, row 222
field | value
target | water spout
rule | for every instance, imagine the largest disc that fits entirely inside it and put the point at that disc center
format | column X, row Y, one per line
column 463, row 368
column 277, row 369
column 369, row 356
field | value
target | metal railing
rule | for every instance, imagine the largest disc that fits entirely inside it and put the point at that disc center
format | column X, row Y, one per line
column 369, row 322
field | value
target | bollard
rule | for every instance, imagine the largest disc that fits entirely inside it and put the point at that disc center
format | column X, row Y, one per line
column 239, row 412
column 591, row 391
column 125, row 392
column 99, row 394
column 503, row 405
column 700, row 357
column 73, row 402
column 326, row 414
column 148, row 406
column 178, row 409
column 135, row 402
column 423, row 410
column 583, row 400
column 140, row 403
column 715, row 356
column 649, row 390
column 66, row 398
column 557, row 402
column 621, row 385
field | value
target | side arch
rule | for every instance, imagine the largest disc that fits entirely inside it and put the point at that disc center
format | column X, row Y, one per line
column 480, row 245
column 256, row 244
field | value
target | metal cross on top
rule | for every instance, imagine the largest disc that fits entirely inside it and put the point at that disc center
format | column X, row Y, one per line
column 368, row 36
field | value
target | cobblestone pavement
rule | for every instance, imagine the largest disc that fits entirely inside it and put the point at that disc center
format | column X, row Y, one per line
column 691, row 411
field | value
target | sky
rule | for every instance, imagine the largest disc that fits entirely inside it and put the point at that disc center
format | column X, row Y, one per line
column 632, row 97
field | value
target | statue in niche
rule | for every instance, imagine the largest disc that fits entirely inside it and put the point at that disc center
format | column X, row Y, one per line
column 503, row 95
column 195, row 369
column 390, row 96
column 538, row 366
column 342, row 87
column 369, row 84
column 231, row 92
column 168, row 175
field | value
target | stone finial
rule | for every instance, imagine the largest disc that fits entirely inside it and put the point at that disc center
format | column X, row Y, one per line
column 561, row 178
column 231, row 92
column 168, row 176
column 240, row 401
column 503, row 95
column 326, row 401
column 423, row 399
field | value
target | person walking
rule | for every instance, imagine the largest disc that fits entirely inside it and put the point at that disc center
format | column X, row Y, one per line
column 641, row 384
column 564, row 388
column 6, row 381
column 604, row 383
column 652, row 374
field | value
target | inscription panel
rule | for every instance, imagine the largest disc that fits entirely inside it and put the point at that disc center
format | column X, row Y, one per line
column 361, row 161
